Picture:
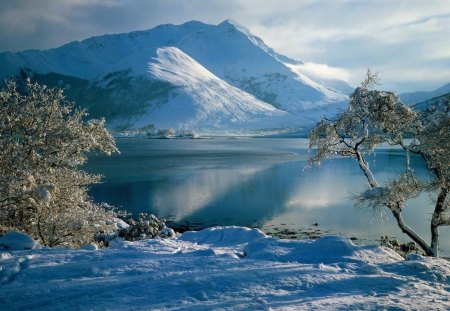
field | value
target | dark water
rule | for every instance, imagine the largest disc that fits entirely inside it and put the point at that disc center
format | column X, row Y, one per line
column 254, row 182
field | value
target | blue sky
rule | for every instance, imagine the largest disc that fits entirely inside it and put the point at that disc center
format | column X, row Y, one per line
column 407, row 42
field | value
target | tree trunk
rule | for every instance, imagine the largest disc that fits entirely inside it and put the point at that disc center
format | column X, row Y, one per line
column 436, row 221
column 365, row 168
column 396, row 211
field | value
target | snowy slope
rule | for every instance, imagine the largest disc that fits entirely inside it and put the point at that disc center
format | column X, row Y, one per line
column 255, row 68
column 223, row 268
column 418, row 97
column 108, row 73
column 97, row 56
column 213, row 102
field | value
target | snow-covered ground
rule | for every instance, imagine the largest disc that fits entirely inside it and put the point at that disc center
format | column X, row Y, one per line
column 222, row 268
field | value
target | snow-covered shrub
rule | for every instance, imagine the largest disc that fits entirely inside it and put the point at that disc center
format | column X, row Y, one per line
column 167, row 232
column 43, row 192
column 145, row 227
column 402, row 248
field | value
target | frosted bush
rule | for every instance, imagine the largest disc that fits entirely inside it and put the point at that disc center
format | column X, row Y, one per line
column 145, row 227
column 403, row 249
column 43, row 192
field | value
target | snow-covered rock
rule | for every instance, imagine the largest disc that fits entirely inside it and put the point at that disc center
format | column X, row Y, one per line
column 223, row 236
column 167, row 233
column 89, row 247
column 120, row 224
column 18, row 241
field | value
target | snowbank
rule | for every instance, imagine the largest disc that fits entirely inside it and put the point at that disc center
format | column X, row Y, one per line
column 327, row 250
column 223, row 268
column 230, row 236
column 17, row 241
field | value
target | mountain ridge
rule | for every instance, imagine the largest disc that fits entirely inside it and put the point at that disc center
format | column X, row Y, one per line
column 110, row 75
column 422, row 96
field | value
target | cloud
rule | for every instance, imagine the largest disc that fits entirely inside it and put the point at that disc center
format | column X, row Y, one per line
column 408, row 36
column 322, row 71
column 26, row 24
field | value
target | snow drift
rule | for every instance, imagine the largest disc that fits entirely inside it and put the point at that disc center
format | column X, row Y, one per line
column 226, row 268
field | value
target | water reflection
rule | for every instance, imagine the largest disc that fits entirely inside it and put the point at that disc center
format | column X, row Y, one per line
column 201, row 189
column 251, row 182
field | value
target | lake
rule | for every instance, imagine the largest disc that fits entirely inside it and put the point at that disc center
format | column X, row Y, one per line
column 253, row 182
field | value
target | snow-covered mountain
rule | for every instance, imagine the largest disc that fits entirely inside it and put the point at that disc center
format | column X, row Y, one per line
column 209, row 101
column 195, row 76
column 418, row 97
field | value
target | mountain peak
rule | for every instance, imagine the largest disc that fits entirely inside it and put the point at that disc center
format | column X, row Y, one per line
column 231, row 23
column 193, row 24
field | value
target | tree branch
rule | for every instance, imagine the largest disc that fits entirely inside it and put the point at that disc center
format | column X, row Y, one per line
column 365, row 168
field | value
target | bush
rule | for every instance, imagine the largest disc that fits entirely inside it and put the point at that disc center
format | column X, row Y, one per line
column 145, row 227
column 43, row 192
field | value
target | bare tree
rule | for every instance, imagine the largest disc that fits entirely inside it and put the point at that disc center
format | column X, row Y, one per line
column 374, row 117
column 43, row 192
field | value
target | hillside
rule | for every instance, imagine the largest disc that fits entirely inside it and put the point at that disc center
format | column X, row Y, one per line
column 418, row 97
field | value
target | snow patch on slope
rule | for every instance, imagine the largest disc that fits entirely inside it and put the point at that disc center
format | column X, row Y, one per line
column 215, row 100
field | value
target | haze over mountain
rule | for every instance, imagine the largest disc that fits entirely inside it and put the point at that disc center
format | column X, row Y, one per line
column 419, row 97
column 194, row 76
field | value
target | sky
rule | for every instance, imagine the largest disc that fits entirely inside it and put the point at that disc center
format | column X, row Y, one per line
column 406, row 42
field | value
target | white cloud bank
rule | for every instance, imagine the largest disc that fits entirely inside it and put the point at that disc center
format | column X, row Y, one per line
column 323, row 72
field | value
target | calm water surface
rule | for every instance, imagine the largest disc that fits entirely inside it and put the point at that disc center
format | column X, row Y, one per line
column 254, row 182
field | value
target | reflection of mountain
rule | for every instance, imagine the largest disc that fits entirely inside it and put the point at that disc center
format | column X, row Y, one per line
column 229, row 195
column 183, row 178
column 321, row 195
column 250, row 202
column 201, row 189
